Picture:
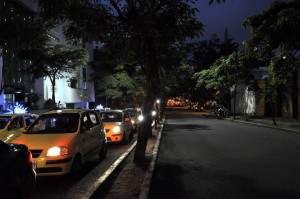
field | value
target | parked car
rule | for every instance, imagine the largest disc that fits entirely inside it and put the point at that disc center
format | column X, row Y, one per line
column 14, row 125
column 62, row 140
column 17, row 174
column 133, row 113
column 118, row 126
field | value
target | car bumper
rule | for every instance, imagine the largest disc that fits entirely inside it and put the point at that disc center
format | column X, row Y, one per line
column 51, row 167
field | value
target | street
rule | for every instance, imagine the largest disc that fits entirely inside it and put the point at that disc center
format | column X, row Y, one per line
column 66, row 187
column 203, row 157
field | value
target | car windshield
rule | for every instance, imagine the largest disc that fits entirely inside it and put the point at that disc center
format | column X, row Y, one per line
column 3, row 121
column 55, row 124
column 111, row 116
column 131, row 112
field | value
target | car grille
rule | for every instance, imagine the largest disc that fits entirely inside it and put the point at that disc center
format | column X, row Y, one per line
column 36, row 153
column 49, row 170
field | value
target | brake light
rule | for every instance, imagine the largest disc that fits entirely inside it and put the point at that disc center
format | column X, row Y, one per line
column 30, row 160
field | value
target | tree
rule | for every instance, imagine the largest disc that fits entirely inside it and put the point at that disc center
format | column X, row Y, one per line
column 118, row 86
column 275, row 34
column 226, row 74
column 203, row 54
column 54, row 62
column 135, row 27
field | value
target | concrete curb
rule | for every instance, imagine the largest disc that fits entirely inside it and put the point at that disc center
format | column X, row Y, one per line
column 265, row 126
column 148, row 176
column 107, row 173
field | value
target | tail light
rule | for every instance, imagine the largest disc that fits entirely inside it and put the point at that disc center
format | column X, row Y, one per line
column 30, row 160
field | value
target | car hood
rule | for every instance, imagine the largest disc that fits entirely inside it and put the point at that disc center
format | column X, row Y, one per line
column 9, row 136
column 42, row 141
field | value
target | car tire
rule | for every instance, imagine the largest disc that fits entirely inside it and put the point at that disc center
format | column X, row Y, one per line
column 76, row 167
column 131, row 134
column 125, row 139
column 103, row 153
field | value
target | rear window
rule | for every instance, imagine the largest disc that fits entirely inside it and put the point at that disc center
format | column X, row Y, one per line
column 111, row 116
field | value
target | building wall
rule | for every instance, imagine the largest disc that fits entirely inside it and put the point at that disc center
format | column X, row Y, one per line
column 245, row 101
column 249, row 102
column 82, row 95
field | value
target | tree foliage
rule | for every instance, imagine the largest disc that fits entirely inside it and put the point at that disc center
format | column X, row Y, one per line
column 275, row 28
column 139, row 28
column 204, row 53
column 226, row 74
column 275, row 39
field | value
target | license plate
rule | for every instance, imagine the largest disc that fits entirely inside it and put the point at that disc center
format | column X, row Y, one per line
column 34, row 164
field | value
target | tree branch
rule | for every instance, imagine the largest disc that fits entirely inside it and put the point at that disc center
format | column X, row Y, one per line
column 115, row 5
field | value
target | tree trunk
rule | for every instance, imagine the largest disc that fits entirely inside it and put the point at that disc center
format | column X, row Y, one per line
column 234, row 102
column 153, row 93
column 53, row 92
column 273, row 113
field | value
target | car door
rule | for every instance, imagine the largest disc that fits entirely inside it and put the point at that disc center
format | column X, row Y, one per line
column 97, row 130
column 91, row 133
column 15, row 128
column 127, row 123
column 86, row 135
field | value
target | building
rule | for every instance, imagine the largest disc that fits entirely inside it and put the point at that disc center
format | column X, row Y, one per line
column 77, row 90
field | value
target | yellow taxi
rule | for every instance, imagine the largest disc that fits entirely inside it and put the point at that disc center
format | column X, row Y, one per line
column 14, row 125
column 62, row 140
column 118, row 126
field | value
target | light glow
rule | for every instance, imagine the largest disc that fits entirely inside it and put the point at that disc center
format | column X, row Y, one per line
column 140, row 118
column 57, row 151
column 116, row 129
column 99, row 107
column 18, row 109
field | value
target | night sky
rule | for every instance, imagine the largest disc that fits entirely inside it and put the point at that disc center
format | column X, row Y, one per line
column 231, row 15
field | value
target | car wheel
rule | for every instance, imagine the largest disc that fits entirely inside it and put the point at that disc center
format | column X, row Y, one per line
column 131, row 134
column 76, row 166
column 103, row 153
column 125, row 140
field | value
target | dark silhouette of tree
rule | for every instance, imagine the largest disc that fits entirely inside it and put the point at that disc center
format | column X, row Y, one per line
column 275, row 40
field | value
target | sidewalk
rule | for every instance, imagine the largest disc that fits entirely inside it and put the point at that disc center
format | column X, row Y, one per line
column 289, row 124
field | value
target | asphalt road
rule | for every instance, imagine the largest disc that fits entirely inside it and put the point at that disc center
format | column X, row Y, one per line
column 205, row 158
column 64, row 187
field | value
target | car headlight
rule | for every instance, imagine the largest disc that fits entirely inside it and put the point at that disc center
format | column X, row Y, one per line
column 57, row 151
column 116, row 129
column 140, row 118
column 153, row 113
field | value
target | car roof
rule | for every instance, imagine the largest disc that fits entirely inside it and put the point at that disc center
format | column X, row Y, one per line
column 67, row 111
column 114, row 110
column 17, row 114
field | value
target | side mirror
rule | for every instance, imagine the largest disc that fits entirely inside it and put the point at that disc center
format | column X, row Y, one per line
column 85, row 127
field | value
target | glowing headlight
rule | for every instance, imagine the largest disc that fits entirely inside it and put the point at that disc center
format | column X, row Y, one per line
column 153, row 113
column 140, row 118
column 57, row 151
column 116, row 129
column 132, row 122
